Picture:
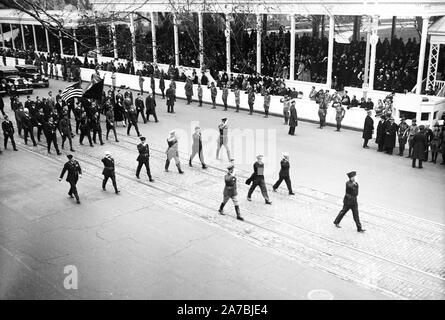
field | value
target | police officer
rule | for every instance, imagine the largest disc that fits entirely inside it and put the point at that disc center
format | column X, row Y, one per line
column 143, row 158
column 257, row 179
column 139, row 102
column 171, row 98
column 230, row 192
column 74, row 173
column 109, row 171
column 350, row 202
column 50, row 130
column 65, row 131
column 284, row 175
column 8, row 132
column 28, row 128
column 197, row 148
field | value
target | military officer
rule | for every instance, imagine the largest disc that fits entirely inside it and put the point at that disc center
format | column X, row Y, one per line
column 74, row 173
column 339, row 113
column 284, row 174
column 85, row 129
column 350, row 202
column 8, row 132
column 257, row 179
column 230, row 192
column 133, row 120
column 50, row 129
column 109, row 171
column 172, row 151
column 110, row 122
column 293, row 119
column 223, row 138
column 251, row 100
column 143, row 158
column 197, row 148
column 266, row 103
column 368, row 129
column 171, row 98
column 65, row 131
column 96, row 127
column 412, row 130
column 224, row 96
column 139, row 103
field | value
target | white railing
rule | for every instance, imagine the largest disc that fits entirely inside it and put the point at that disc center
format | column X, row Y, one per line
column 439, row 84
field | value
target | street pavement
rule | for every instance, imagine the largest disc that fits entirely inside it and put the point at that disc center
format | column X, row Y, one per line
column 172, row 229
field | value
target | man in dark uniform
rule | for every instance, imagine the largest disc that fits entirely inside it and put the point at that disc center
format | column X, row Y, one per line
column 110, row 122
column 197, row 148
column 8, row 132
column 171, row 98
column 230, row 192
column 350, row 202
column 77, row 111
column 284, row 175
column 40, row 123
column 50, row 130
column 133, row 120
column 97, row 129
column 28, row 128
column 223, row 139
column 293, row 120
column 139, row 103
column 257, row 179
column 109, row 171
column 380, row 138
column 402, row 133
column 251, row 100
column 143, row 159
column 368, row 129
column 74, row 173
column 419, row 144
column 150, row 105
column 390, row 136
column 85, row 129
column 65, row 131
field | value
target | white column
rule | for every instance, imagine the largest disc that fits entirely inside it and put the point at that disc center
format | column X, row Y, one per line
column 368, row 44
column 422, row 54
column 12, row 38
column 113, row 35
column 23, row 36
column 96, row 34
column 228, row 47
column 76, row 53
column 330, row 52
column 374, row 40
column 176, row 39
column 201, row 40
column 153, row 37
column 47, row 41
column 1, row 31
column 34, row 37
column 61, row 43
column 133, row 39
column 258, row 42
column 292, row 48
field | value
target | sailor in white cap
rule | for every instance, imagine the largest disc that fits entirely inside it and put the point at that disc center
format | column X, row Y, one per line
column 284, row 174
column 172, row 152
column 109, row 171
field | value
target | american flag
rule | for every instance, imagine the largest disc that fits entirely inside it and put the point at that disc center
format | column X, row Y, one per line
column 72, row 91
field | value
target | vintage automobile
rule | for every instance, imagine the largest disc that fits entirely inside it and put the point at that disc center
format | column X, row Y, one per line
column 31, row 73
column 12, row 83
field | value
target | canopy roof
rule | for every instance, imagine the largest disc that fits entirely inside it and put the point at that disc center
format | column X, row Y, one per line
column 438, row 27
column 383, row 8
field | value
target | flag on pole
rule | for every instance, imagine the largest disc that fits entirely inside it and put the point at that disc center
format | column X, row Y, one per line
column 72, row 91
column 94, row 90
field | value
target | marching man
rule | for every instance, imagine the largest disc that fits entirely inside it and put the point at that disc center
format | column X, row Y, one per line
column 109, row 171
column 223, row 138
column 74, row 173
column 230, row 192
column 172, row 152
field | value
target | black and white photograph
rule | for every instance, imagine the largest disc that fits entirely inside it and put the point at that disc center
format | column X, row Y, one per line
column 212, row 150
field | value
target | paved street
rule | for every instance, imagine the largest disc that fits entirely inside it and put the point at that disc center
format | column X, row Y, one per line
column 166, row 240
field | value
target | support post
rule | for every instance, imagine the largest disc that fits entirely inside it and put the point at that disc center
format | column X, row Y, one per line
column 61, row 43
column 374, row 40
column 76, row 52
column 47, row 41
column 292, row 48
column 258, row 42
column 23, row 36
column 153, row 37
column 34, row 37
column 133, row 40
column 176, row 39
column 393, row 27
column 330, row 52
column 1, row 31
column 96, row 34
column 12, row 37
column 201, row 40
column 113, row 35
column 422, row 54
column 228, row 48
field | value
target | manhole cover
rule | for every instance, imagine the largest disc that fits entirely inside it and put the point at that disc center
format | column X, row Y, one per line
column 320, row 294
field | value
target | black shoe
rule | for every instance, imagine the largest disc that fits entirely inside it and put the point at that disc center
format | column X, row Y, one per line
column 366, row 147
column 16, row 150
column 137, row 176
column 240, row 218
column 268, row 202
column 117, row 140
column 421, row 167
column 117, row 191
column 103, row 189
column 181, row 172
column 204, row 166
column 71, row 196
column 249, row 199
column 59, row 153
column 78, row 201
column 72, row 150
column 151, row 180
column 291, row 193
column 274, row 190
column 337, row 225
column 361, row 230
column 220, row 212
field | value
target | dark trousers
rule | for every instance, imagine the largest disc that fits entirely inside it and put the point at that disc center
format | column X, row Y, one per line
column 250, row 108
column 11, row 137
column 266, row 112
column 200, row 100
column 292, row 131
column 338, row 124
column 98, row 132
column 414, row 163
column 29, row 131
column 154, row 116
column 52, row 139
column 237, row 107
column 286, row 117
column 83, row 134
column 77, row 126
column 73, row 189
column 114, row 131
column 133, row 123
column 402, row 143
column 287, row 180
column 225, row 104
column 113, row 179
column 389, row 150
column 381, row 145
column 147, row 167
column 262, row 184
column 170, row 108
column 143, row 115
column 354, row 208
column 189, row 99
column 410, row 149
column 163, row 93
column 70, row 140
column 39, row 132
column 365, row 142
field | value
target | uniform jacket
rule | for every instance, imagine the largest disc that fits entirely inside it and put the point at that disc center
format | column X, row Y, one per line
column 368, row 128
column 381, row 126
column 27, row 122
column 188, row 89
column 150, row 104
column 139, row 103
column 284, row 171
column 8, row 128
column 213, row 92
column 420, row 144
column 230, row 186
column 170, row 94
column 251, row 97
column 108, row 166
column 199, row 91
column 73, row 168
column 351, row 193
column 197, row 142
column 50, row 128
column 144, row 152
column 390, row 138
column 293, row 120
